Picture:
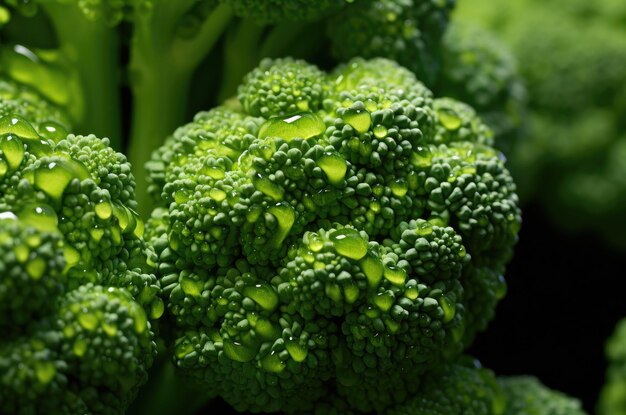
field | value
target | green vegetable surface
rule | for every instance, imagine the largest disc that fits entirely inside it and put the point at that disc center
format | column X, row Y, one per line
column 77, row 289
column 344, row 231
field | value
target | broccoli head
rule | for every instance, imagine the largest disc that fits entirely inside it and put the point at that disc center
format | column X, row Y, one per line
column 613, row 397
column 525, row 395
column 77, row 288
column 322, row 234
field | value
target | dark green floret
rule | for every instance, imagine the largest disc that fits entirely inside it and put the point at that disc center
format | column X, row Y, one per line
column 77, row 290
column 325, row 251
column 527, row 396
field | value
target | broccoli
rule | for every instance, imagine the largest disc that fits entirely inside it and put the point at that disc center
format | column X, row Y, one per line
column 525, row 395
column 454, row 59
column 78, row 294
column 613, row 396
column 69, row 53
column 339, row 233
column 571, row 159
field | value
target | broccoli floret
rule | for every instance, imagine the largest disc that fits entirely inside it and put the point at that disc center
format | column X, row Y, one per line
column 457, row 388
column 575, row 132
column 407, row 31
column 525, row 395
column 171, row 39
column 613, row 396
column 329, row 243
column 77, row 290
column 479, row 69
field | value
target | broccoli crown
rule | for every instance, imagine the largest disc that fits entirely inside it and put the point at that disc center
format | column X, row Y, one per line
column 457, row 388
column 525, row 395
column 77, row 289
column 323, row 235
column 406, row 31
column 613, row 396
column 479, row 69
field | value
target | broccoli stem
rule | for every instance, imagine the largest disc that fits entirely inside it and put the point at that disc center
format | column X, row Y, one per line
column 288, row 39
column 161, row 65
column 241, row 54
column 166, row 393
column 244, row 49
column 92, row 49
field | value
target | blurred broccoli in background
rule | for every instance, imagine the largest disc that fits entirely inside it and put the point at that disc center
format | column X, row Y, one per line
column 572, row 55
column 613, row 396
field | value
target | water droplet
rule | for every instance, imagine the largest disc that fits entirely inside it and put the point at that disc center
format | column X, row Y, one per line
column 286, row 217
column 449, row 119
column 265, row 186
column 359, row 119
column 80, row 347
column 334, row 166
column 373, row 270
column 191, row 287
column 383, row 301
column 13, row 150
column 395, row 275
column 36, row 268
column 449, row 309
column 303, row 125
column 272, row 363
column 422, row 157
column 104, row 210
column 109, row 329
column 52, row 131
column 40, row 216
column 380, row 131
column 399, row 187
column 183, row 349
column 412, row 293
column 217, row 194
column 349, row 243
column 297, row 352
column 88, row 321
column 315, row 242
column 54, row 177
column 238, row 352
column 156, row 309
column 45, row 371
column 263, row 295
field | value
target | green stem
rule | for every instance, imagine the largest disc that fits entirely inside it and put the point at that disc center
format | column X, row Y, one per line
column 92, row 48
column 162, row 65
column 168, row 394
column 241, row 55
column 287, row 40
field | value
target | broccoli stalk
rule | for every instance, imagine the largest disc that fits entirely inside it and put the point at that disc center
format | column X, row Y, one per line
column 87, row 46
column 163, row 59
column 91, row 48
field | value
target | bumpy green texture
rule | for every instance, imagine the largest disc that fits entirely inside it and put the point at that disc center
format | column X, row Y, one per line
column 77, row 289
column 458, row 388
column 454, row 59
column 572, row 157
column 344, row 250
column 613, row 397
column 18, row 99
column 527, row 396
column 479, row 69
column 407, row 31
